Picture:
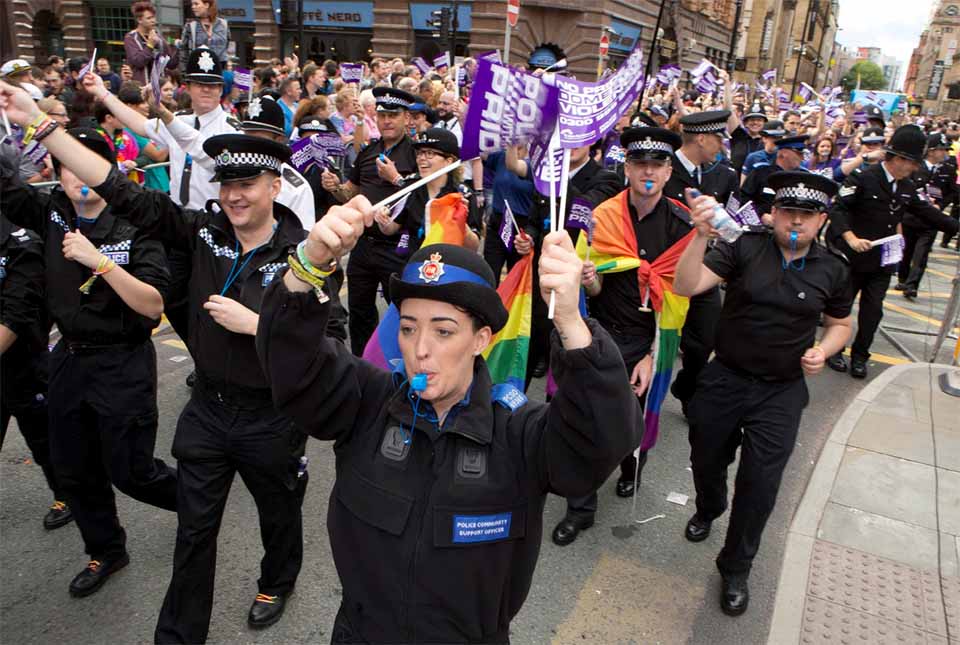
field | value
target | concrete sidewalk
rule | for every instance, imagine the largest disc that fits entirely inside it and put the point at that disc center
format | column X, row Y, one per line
column 873, row 553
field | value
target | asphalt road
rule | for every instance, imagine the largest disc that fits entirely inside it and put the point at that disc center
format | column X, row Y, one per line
column 620, row 582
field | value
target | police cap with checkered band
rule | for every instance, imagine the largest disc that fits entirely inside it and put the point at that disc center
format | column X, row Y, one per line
column 640, row 144
column 802, row 190
column 710, row 122
column 243, row 156
column 390, row 99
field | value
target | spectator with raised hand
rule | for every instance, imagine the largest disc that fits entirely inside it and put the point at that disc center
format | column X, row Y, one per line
column 142, row 44
column 207, row 29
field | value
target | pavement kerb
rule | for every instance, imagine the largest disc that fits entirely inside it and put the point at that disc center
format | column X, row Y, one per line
column 791, row 588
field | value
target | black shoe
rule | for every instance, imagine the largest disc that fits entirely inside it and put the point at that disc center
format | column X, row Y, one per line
column 734, row 594
column 898, row 286
column 837, row 363
column 266, row 610
column 698, row 529
column 92, row 578
column 58, row 515
column 625, row 488
column 191, row 379
column 569, row 528
column 858, row 368
column 909, row 293
column 540, row 369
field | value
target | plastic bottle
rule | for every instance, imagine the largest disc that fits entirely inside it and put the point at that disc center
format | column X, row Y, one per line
column 726, row 226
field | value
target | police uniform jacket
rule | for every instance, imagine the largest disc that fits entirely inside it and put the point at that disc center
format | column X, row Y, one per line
column 100, row 317
column 717, row 179
column 224, row 359
column 21, row 310
column 365, row 177
column 931, row 185
column 592, row 183
column 867, row 205
column 436, row 541
column 741, row 146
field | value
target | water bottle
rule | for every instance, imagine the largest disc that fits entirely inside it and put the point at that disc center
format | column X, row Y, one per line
column 725, row 225
column 302, row 467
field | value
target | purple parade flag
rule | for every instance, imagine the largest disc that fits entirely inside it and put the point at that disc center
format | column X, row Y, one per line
column 156, row 75
column 421, row 65
column 493, row 56
column 892, row 252
column 507, row 107
column 589, row 110
column 316, row 149
column 36, row 153
column 461, row 77
column 805, row 92
column 403, row 246
column 668, row 73
column 442, row 61
column 859, row 117
column 506, row 226
column 540, row 165
column 351, row 72
column 706, row 84
column 242, row 79
column 581, row 215
column 747, row 214
column 398, row 206
column 301, row 156
column 733, row 204
column 86, row 69
column 769, row 75
column 701, row 69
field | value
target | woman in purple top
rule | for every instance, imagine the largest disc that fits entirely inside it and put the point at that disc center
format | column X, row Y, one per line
column 825, row 160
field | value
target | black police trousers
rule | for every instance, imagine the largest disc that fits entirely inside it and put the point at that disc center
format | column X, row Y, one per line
column 494, row 252
column 696, row 342
column 103, row 430
column 26, row 401
column 370, row 266
column 918, row 243
column 216, row 438
column 872, row 288
column 731, row 409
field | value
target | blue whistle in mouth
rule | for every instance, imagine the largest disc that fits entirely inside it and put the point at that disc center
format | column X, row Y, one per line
column 649, row 184
column 794, row 236
column 85, row 190
column 382, row 158
column 418, row 383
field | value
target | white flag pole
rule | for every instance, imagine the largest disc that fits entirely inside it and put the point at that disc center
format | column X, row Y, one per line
column 406, row 190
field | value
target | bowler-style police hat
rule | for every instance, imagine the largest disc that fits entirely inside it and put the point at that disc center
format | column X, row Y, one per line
column 908, row 141
column 801, row 190
column 264, row 115
column 243, row 156
column 455, row 275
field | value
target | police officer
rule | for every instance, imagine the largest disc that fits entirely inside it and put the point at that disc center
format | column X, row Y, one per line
column 696, row 165
column 870, row 206
column 932, row 184
column 747, row 136
column 380, row 170
column 104, row 284
column 236, row 247
column 23, row 354
column 753, row 392
column 614, row 298
column 755, row 189
column 767, row 155
column 436, row 515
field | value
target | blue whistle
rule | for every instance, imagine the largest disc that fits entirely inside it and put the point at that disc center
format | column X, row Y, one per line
column 546, row 223
column 649, row 184
column 793, row 237
column 418, row 383
column 382, row 158
column 85, row 190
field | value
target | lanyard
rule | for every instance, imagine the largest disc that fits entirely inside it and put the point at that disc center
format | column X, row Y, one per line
column 234, row 271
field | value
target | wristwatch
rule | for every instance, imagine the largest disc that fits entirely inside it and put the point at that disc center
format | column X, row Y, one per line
column 399, row 181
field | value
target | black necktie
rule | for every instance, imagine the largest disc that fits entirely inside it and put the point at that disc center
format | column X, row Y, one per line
column 187, row 167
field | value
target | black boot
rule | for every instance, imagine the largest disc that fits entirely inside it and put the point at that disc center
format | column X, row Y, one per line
column 92, row 578
column 734, row 594
column 266, row 610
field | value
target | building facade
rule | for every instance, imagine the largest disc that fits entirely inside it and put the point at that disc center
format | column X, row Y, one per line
column 934, row 60
column 266, row 29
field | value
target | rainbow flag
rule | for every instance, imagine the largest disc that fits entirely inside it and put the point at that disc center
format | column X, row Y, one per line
column 445, row 220
column 614, row 249
column 507, row 353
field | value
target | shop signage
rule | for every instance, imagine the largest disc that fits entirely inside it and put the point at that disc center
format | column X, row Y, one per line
column 337, row 15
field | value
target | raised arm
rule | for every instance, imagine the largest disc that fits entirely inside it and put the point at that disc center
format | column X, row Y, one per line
column 129, row 117
column 692, row 275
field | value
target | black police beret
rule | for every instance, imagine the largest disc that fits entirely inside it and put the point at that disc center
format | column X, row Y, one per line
column 455, row 275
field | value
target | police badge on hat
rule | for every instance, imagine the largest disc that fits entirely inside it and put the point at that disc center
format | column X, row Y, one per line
column 432, row 269
column 203, row 67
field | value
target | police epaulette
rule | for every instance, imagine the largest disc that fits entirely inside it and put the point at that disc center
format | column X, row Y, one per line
column 183, row 112
column 234, row 122
column 838, row 254
column 508, row 396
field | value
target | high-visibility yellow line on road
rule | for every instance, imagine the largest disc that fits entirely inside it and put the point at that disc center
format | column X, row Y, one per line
column 173, row 342
column 912, row 314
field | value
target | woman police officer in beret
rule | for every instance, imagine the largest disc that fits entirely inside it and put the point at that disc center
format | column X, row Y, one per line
column 436, row 516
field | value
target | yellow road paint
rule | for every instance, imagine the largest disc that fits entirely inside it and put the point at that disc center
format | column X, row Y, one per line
column 912, row 314
column 923, row 294
column 173, row 342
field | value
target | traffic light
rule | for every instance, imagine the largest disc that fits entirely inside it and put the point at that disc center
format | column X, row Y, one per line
column 441, row 20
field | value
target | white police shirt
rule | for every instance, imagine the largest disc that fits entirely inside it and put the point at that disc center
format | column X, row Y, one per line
column 211, row 124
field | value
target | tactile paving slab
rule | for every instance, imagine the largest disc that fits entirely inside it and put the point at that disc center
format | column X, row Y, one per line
column 857, row 597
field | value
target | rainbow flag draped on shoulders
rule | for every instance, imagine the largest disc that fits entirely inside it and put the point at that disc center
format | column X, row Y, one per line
column 445, row 220
column 614, row 249
column 507, row 353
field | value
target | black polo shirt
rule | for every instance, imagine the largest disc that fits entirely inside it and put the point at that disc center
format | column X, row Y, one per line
column 364, row 176
column 769, row 317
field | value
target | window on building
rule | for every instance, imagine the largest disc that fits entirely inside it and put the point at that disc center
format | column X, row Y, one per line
column 109, row 23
